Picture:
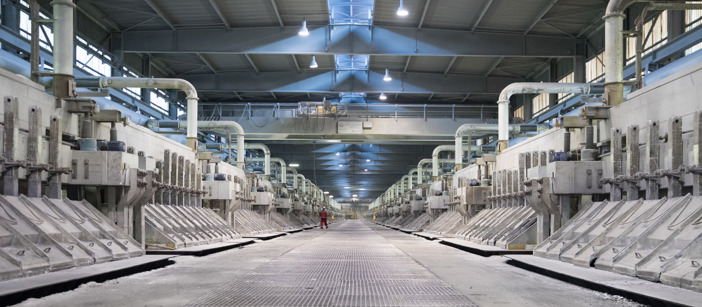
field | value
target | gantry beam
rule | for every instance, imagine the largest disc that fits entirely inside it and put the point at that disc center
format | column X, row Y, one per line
column 376, row 40
column 348, row 81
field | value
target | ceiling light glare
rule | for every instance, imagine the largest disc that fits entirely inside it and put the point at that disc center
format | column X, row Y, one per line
column 367, row 160
column 294, row 165
column 387, row 77
column 313, row 64
column 382, row 96
column 402, row 11
column 303, row 30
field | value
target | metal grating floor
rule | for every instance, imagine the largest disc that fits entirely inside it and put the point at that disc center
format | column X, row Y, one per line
column 350, row 265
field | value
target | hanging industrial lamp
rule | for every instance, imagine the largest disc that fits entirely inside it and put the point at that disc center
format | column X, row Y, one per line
column 402, row 11
column 303, row 29
column 387, row 77
column 313, row 64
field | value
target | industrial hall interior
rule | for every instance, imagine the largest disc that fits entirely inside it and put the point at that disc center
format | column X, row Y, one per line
column 350, row 153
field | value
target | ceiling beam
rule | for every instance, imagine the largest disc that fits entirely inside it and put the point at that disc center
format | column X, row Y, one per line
column 315, row 81
column 541, row 14
column 98, row 16
column 218, row 10
column 160, row 13
column 349, row 40
column 424, row 14
column 486, row 7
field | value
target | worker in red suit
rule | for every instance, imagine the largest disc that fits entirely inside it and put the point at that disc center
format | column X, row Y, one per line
column 323, row 217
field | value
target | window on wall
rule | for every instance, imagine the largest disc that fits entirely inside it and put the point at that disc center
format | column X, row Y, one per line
column 693, row 18
column 519, row 114
column 540, row 103
column 656, row 30
column 594, row 68
column 567, row 79
column 90, row 58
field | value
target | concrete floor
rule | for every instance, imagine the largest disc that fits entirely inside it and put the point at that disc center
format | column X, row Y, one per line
column 351, row 264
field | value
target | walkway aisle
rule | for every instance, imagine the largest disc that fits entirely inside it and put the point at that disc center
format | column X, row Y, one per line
column 350, row 265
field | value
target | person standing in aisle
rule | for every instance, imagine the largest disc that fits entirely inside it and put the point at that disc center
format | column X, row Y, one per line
column 323, row 217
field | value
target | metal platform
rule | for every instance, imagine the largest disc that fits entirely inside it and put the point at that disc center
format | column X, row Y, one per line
column 481, row 249
column 266, row 236
column 203, row 250
column 648, row 293
column 17, row 290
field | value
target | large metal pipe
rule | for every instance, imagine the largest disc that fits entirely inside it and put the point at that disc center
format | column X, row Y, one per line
column 266, row 154
column 614, row 46
column 535, row 88
column 301, row 177
column 63, row 47
column 483, row 129
column 159, row 83
column 441, row 148
column 294, row 177
column 212, row 126
column 412, row 171
column 420, row 168
column 283, row 168
column 403, row 181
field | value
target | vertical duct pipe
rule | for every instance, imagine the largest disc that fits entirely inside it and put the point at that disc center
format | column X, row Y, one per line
column 294, row 177
column 435, row 157
column 282, row 178
column 614, row 52
column 411, row 184
column 420, row 168
column 212, row 126
column 302, row 178
column 267, row 156
column 158, row 83
column 63, row 48
column 535, row 88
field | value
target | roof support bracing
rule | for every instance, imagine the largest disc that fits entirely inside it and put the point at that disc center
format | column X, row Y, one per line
column 540, row 15
column 160, row 13
column 424, row 13
column 486, row 7
column 253, row 65
column 99, row 17
column 349, row 40
column 494, row 65
column 348, row 81
column 297, row 65
column 277, row 13
column 409, row 58
column 215, row 6
column 453, row 60
column 207, row 62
